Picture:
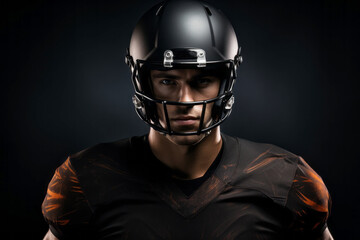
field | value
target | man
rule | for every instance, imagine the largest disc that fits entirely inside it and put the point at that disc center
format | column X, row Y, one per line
column 185, row 179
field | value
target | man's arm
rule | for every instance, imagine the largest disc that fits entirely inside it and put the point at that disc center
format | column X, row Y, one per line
column 50, row 236
column 309, row 201
column 326, row 235
column 65, row 207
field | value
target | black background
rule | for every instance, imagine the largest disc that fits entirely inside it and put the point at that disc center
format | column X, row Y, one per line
column 65, row 86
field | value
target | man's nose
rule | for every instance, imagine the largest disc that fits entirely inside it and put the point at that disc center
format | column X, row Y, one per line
column 186, row 94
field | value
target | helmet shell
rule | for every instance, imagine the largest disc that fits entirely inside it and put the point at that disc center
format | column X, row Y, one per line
column 183, row 24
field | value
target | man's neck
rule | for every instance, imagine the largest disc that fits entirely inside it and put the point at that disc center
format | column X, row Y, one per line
column 189, row 161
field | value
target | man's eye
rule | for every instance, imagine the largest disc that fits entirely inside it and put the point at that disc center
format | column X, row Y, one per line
column 167, row 82
column 204, row 81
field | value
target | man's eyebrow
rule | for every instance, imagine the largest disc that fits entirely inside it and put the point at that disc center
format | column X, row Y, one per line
column 204, row 74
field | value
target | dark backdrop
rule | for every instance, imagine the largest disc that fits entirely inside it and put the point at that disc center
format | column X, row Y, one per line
column 65, row 87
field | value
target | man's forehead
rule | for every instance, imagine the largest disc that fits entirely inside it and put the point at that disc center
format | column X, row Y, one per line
column 191, row 72
column 177, row 71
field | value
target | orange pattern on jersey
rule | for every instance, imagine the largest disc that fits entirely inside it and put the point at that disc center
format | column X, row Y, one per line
column 309, row 199
column 310, row 188
column 64, row 186
column 311, row 203
column 262, row 160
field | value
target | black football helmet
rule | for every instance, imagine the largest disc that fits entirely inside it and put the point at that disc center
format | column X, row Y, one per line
column 183, row 34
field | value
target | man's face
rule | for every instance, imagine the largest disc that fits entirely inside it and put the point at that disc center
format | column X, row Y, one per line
column 184, row 85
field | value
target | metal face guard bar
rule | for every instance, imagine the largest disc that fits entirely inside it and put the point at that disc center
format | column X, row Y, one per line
column 168, row 125
column 164, row 104
column 166, row 116
column 135, row 67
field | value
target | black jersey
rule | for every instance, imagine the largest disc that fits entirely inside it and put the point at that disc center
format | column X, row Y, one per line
column 119, row 190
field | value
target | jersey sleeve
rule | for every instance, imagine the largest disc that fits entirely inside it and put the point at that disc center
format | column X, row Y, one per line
column 309, row 203
column 65, row 207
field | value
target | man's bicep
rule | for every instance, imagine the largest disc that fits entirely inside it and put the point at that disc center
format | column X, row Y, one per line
column 50, row 236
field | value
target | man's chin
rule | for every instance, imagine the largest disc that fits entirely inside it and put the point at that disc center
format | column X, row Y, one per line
column 186, row 140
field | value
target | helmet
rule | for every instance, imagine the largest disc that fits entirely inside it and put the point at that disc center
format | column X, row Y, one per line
column 183, row 34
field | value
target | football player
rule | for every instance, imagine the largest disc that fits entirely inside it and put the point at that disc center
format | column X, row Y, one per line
column 185, row 179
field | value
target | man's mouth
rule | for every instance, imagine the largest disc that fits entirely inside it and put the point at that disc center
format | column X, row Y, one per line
column 185, row 120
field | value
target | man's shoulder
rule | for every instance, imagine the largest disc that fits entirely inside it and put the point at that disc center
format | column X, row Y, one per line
column 250, row 150
column 108, row 149
column 263, row 167
column 108, row 153
column 104, row 167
